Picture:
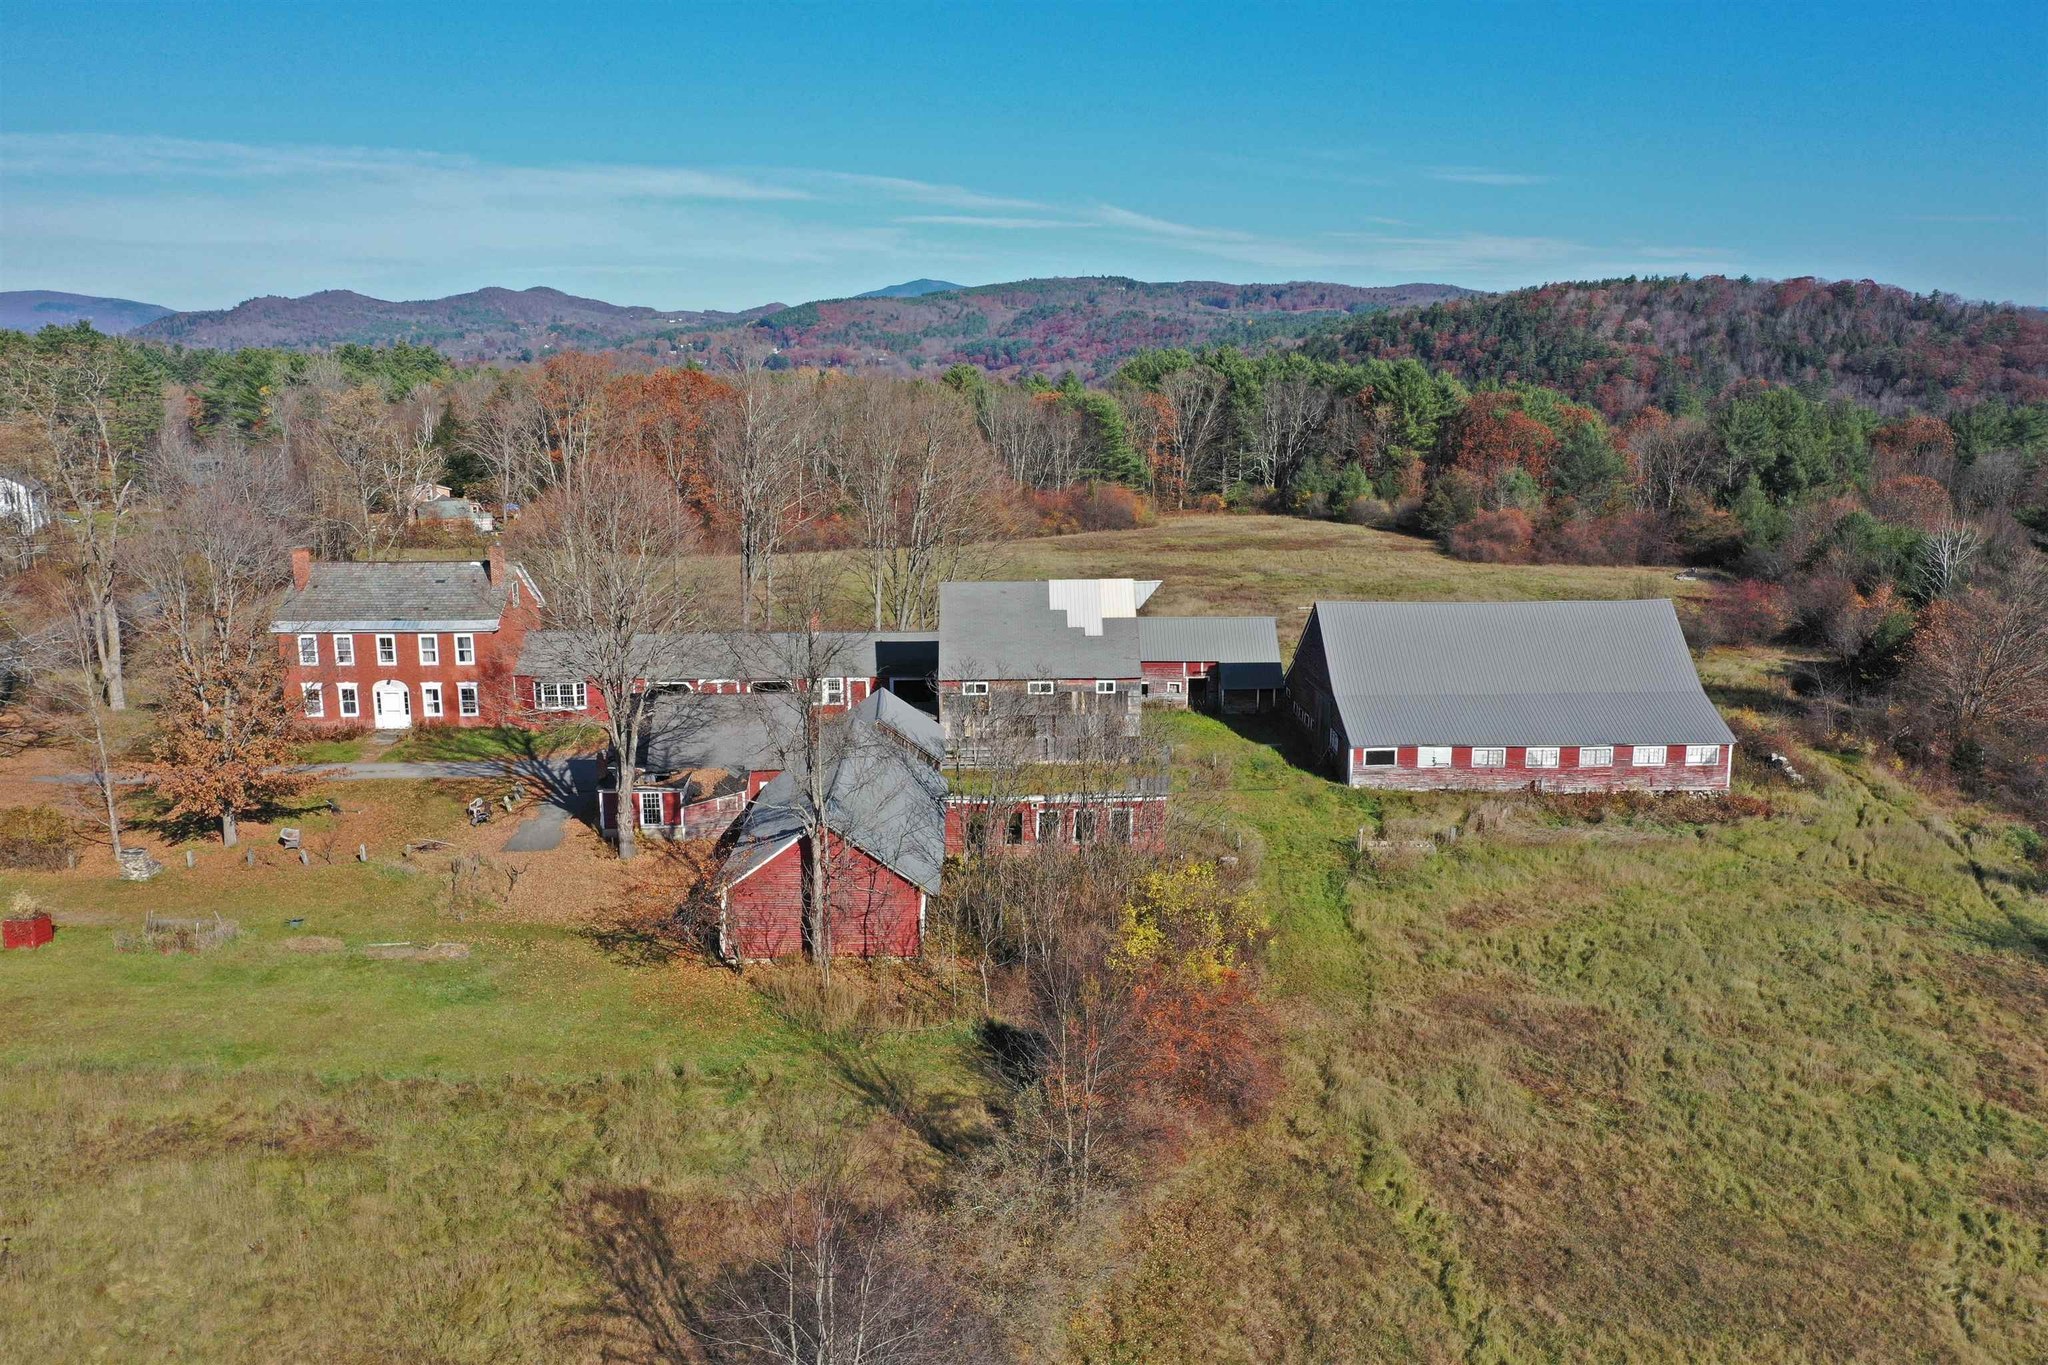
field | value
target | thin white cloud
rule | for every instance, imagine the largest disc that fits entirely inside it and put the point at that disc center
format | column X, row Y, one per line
column 924, row 191
column 1112, row 216
column 978, row 220
column 1481, row 175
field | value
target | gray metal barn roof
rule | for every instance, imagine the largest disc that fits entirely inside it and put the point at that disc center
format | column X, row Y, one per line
column 1514, row 673
column 1012, row 630
column 394, row 595
column 754, row 656
column 1208, row 639
column 884, row 799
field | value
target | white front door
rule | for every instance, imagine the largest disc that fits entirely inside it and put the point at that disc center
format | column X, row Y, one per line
column 391, row 705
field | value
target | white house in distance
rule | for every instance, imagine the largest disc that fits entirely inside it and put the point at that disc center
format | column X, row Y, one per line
column 24, row 504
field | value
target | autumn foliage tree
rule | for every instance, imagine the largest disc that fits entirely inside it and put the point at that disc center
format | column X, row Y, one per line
column 225, row 741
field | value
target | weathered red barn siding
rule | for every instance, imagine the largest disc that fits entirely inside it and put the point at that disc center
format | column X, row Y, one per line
column 875, row 912
column 1516, row 775
column 1148, row 821
column 1159, row 675
column 764, row 911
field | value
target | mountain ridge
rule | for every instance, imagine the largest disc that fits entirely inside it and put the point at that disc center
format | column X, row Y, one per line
column 31, row 310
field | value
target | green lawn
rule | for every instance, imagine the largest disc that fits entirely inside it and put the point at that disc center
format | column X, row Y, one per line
column 258, row 1154
column 1770, row 1090
column 448, row 743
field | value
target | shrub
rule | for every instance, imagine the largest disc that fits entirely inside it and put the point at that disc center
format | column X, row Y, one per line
column 1369, row 511
column 38, row 837
column 1091, row 507
column 1503, row 537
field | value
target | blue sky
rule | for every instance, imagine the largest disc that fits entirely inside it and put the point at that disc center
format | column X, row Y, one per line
column 709, row 155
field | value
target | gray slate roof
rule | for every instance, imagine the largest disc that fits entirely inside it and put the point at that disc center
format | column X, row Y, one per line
column 756, row 656
column 1208, row 639
column 1009, row 631
column 1514, row 673
column 736, row 733
column 882, row 798
column 394, row 595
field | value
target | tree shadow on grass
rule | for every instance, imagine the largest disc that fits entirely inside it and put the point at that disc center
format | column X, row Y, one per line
column 950, row 1124
column 650, row 1304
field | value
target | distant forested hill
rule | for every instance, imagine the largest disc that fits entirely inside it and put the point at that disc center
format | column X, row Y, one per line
column 1088, row 325
column 1618, row 344
column 31, row 310
column 488, row 324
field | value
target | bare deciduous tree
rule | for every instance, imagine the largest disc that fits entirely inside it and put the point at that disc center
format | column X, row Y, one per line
column 608, row 553
column 761, row 446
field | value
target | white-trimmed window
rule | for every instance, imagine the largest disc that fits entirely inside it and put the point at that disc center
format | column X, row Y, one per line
column 309, row 650
column 1380, row 758
column 310, row 700
column 559, row 696
column 430, row 700
column 1596, row 755
column 466, row 699
column 1105, row 686
column 1540, row 757
column 1122, row 825
column 1489, row 758
column 974, row 689
column 1086, row 819
column 1647, row 756
column 650, row 807
column 350, row 706
column 1048, row 824
column 345, row 650
column 1174, row 688
column 1702, row 755
column 831, row 691
column 387, row 649
column 1039, row 687
column 430, row 649
column 465, row 649
column 1433, row 756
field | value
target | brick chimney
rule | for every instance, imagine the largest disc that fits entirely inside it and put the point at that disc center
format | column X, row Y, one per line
column 302, row 567
column 494, row 565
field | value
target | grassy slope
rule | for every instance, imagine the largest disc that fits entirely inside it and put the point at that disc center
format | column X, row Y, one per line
column 1770, row 1090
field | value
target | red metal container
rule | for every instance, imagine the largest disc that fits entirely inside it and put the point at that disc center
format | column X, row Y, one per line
column 31, row 931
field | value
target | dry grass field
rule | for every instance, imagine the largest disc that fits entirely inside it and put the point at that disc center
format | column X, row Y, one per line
column 1657, row 1087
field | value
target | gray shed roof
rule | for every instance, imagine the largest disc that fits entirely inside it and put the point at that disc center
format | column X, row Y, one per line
column 395, row 595
column 1514, row 673
column 1208, row 639
column 914, row 727
column 1011, row 630
column 882, row 798
column 736, row 733
column 755, row 656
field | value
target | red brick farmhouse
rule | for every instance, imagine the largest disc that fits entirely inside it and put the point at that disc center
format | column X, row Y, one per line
column 1555, row 696
column 392, row 644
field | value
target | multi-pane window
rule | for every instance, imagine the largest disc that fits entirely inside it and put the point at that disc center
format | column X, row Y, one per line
column 1381, row 758
column 1105, row 686
column 1433, row 756
column 430, row 649
column 430, row 699
column 1647, row 756
column 650, row 808
column 1540, row 757
column 1702, row 755
column 466, row 699
column 310, row 699
column 1122, row 821
column 345, row 650
column 1085, row 821
column 309, row 650
column 387, row 649
column 465, row 649
column 567, row 696
column 1174, row 688
column 1048, row 825
column 1039, row 687
column 1489, row 758
column 1596, row 756
column 974, row 689
column 350, row 706
column 831, row 691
